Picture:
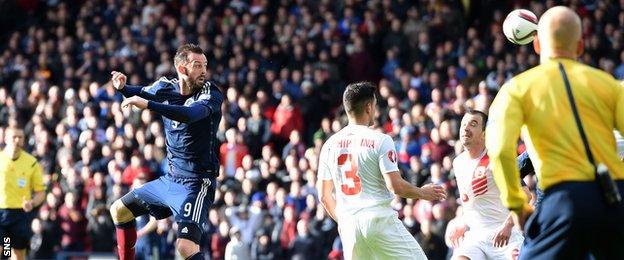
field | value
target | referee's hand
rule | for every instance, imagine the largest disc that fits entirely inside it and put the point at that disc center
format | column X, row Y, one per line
column 26, row 204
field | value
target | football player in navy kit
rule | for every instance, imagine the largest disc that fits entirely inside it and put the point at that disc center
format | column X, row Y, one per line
column 191, row 110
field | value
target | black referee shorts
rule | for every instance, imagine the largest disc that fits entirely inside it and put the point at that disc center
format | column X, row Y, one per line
column 15, row 223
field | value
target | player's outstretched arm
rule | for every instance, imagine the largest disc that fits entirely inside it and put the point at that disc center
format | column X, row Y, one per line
column 119, row 83
column 183, row 114
column 404, row 189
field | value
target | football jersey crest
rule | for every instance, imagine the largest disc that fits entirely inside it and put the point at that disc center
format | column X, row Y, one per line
column 392, row 156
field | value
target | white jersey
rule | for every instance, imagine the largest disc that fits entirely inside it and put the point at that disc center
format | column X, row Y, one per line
column 619, row 140
column 355, row 158
column 482, row 205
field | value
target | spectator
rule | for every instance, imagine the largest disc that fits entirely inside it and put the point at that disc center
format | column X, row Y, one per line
column 303, row 247
column 73, row 224
column 286, row 119
column 288, row 230
column 409, row 221
column 209, row 228
column 431, row 243
column 295, row 197
column 263, row 248
column 436, row 148
column 147, row 238
column 232, row 152
column 259, row 129
column 245, row 220
column 324, row 230
column 150, row 161
column 136, row 169
column 311, row 110
column 46, row 235
column 236, row 249
column 407, row 147
column 219, row 241
column 100, row 225
column 294, row 146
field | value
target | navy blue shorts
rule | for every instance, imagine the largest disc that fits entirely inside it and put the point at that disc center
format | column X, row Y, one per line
column 188, row 200
column 15, row 223
column 573, row 221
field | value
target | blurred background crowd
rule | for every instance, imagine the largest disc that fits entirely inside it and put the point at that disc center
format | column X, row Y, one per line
column 283, row 66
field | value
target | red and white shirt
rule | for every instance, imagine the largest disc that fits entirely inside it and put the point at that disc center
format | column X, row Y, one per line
column 479, row 194
column 355, row 159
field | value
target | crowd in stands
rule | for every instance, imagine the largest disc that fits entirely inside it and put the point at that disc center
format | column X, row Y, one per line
column 282, row 66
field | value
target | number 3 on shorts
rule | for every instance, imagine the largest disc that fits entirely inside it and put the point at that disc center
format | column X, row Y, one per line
column 351, row 184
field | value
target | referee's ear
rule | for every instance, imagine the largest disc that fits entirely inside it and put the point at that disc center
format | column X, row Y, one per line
column 536, row 45
column 580, row 48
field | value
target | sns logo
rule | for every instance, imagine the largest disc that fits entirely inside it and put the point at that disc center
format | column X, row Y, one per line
column 6, row 246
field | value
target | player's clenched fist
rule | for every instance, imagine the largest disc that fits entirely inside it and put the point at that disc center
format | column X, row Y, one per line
column 432, row 192
column 118, row 79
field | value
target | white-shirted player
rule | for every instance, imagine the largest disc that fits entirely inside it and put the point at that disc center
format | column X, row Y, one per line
column 362, row 165
column 485, row 230
column 619, row 140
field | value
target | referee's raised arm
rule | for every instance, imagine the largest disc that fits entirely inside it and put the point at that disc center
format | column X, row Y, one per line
column 575, row 218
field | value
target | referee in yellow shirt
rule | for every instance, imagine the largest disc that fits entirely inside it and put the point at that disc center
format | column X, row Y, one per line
column 574, row 218
column 20, row 176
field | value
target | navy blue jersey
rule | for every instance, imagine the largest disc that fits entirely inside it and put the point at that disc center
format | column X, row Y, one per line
column 191, row 124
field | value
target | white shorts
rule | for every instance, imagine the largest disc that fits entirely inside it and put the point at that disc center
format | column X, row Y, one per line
column 479, row 246
column 378, row 238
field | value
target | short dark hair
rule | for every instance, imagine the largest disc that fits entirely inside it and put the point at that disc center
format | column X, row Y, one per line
column 483, row 115
column 357, row 95
column 13, row 128
column 181, row 55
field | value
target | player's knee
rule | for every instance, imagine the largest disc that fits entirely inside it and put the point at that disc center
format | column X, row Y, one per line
column 461, row 257
column 120, row 213
column 18, row 254
column 186, row 247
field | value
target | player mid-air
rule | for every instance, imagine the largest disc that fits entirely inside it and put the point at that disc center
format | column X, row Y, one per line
column 362, row 165
column 191, row 110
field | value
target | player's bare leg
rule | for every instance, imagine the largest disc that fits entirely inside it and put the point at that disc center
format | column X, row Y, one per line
column 120, row 213
column 126, row 229
column 18, row 254
column 187, row 248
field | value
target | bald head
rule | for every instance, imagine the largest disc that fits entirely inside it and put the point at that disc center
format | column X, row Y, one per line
column 559, row 32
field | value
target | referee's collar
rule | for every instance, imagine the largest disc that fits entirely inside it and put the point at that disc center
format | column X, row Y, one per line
column 5, row 153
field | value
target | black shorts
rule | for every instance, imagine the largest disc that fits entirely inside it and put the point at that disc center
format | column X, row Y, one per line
column 15, row 223
column 187, row 200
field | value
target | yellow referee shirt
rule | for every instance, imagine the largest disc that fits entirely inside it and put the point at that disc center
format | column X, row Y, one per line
column 536, row 102
column 18, row 178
